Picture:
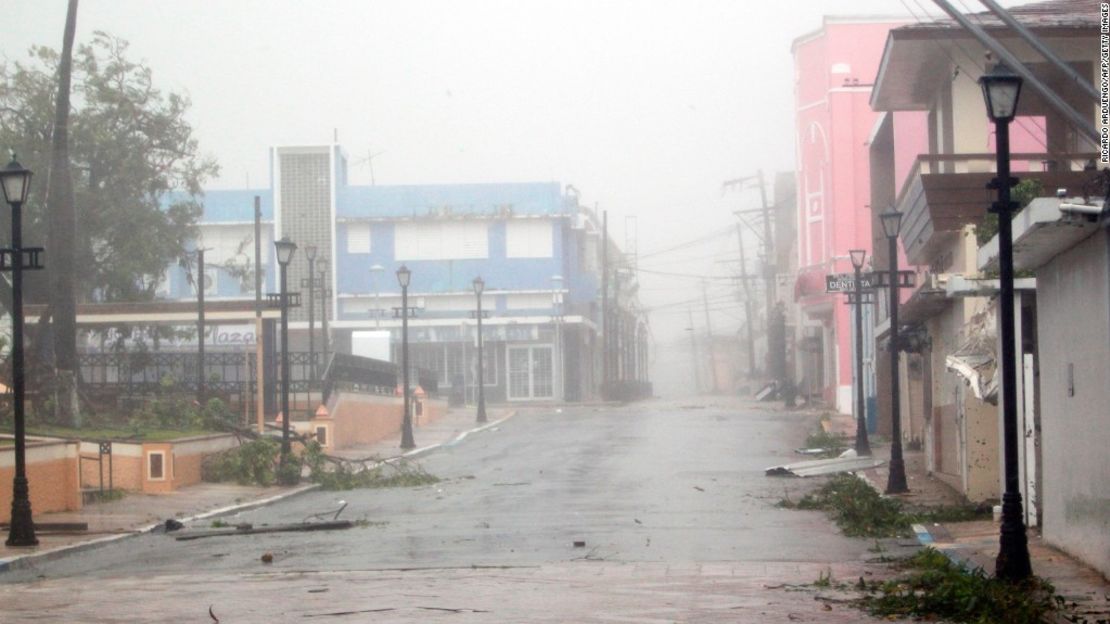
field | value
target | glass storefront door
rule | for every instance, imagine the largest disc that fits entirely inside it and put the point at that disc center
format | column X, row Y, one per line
column 530, row 372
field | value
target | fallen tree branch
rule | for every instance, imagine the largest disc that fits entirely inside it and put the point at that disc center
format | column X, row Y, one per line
column 280, row 528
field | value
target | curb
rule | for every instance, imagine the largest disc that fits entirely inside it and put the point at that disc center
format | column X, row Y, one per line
column 424, row 450
column 925, row 538
column 23, row 561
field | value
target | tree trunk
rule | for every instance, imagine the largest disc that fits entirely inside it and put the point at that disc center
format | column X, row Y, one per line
column 61, row 240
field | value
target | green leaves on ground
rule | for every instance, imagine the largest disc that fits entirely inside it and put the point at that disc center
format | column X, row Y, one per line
column 334, row 474
column 937, row 589
column 251, row 463
column 257, row 462
column 860, row 511
column 833, row 444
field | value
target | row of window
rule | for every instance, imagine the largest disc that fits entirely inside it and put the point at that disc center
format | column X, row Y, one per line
column 233, row 245
column 456, row 240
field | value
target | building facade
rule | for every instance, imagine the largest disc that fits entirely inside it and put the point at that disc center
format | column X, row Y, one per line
column 927, row 87
column 537, row 249
column 833, row 70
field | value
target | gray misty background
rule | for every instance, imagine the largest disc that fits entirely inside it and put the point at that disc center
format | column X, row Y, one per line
column 645, row 107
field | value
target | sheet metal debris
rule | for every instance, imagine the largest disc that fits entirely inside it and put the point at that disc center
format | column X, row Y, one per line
column 817, row 467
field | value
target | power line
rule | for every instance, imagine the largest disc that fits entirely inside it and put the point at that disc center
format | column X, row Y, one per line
column 686, row 275
column 690, row 243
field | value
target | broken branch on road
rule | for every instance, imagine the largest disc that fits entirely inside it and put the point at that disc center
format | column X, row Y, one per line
column 278, row 528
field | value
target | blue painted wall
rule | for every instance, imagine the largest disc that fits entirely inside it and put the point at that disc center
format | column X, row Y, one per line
column 226, row 206
column 382, row 206
column 407, row 201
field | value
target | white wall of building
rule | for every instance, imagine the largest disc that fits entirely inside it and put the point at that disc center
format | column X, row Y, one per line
column 1073, row 306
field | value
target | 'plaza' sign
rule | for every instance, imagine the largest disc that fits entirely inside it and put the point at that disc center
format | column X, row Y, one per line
column 846, row 282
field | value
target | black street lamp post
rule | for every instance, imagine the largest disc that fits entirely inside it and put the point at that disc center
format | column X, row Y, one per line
column 310, row 283
column 896, row 479
column 557, row 320
column 16, row 182
column 201, row 283
column 479, row 286
column 1001, row 89
column 863, row 446
column 374, row 271
column 325, row 294
column 404, row 276
column 285, row 250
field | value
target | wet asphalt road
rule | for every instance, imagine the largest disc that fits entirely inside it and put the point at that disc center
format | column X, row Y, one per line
column 650, row 483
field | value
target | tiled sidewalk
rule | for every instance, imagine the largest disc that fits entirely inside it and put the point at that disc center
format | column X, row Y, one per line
column 138, row 513
column 975, row 544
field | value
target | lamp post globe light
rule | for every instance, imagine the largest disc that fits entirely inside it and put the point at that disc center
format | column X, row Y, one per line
column 285, row 249
column 404, row 277
column 863, row 446
column 310, row 255
column 16, row 183
column 479, row 286
column 896, row 478
column 1001, row 89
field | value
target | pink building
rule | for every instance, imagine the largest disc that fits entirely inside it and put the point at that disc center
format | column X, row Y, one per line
column 834, row 68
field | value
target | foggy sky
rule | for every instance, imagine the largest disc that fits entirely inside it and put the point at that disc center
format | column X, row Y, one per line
column 645, row 107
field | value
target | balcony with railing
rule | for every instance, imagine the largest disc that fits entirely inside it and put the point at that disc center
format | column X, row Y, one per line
column 944, row 192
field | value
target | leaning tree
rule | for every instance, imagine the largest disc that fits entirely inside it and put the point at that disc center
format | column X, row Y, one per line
column 136, row 173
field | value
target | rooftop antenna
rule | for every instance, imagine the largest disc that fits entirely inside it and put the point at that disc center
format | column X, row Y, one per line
column 369, row 161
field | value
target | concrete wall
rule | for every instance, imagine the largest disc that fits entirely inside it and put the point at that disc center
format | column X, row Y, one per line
column 130, row 465
column 124, row 472
column 356, row 419
column 1073, row 308
column 188, row 456
column 981, row 445
column 51, row 476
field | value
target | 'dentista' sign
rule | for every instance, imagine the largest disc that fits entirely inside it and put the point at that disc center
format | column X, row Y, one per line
column 846, row 282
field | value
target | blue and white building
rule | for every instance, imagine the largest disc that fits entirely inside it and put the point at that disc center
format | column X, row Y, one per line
column 538, row 250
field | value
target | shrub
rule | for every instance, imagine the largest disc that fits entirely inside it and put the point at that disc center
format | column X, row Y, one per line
column 251, row 463
column 860, row 511
column 936, row 589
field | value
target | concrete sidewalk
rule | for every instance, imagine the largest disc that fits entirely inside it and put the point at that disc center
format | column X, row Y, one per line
column 455, row 425
column 138, row 513
column 975, row 544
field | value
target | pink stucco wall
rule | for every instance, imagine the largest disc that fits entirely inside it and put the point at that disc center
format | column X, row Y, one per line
column 834, row 69
column 911, row 137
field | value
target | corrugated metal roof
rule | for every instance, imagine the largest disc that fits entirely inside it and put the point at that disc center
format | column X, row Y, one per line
column 1037, row 15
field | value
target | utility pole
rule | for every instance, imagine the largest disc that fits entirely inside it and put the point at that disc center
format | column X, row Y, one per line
column 616, row 375
column 259, row 391
column 747, row 301
column 604, row 303
column 769, row 259
column 768, row 250
column 694, row 350
column 325, row 294
column 709, row 338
